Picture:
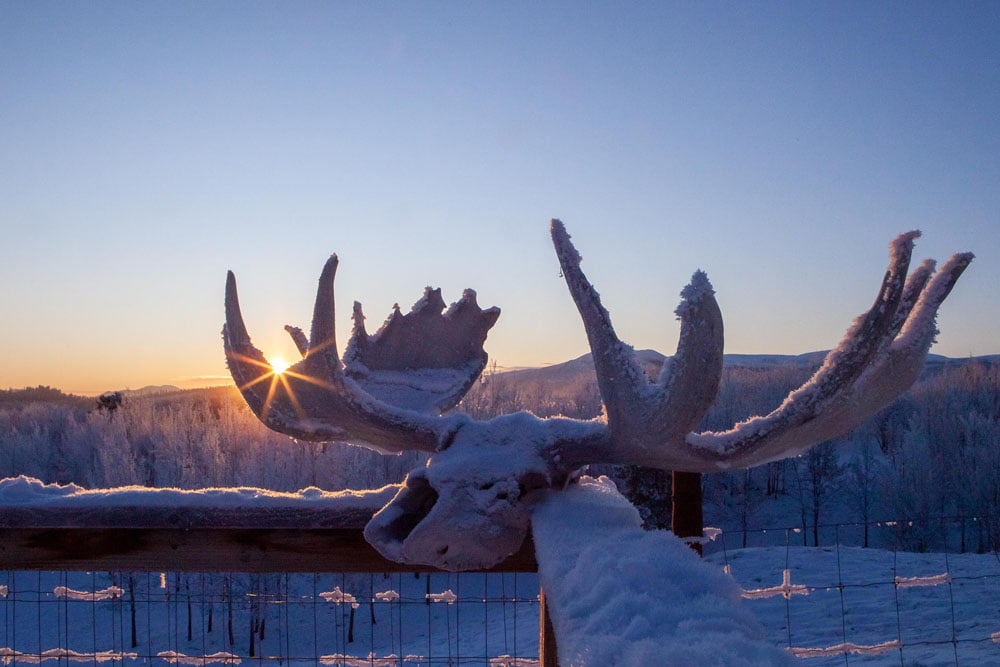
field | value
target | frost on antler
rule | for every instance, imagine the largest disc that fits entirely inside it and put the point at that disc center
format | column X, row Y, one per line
column 878, row 359
column 470, row 506
column 318, row 400
column 425, row 360
column 643, row 416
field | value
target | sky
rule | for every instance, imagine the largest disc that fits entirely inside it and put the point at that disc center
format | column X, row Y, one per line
column 150, row 147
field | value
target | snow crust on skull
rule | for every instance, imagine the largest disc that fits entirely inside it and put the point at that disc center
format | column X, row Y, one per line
column 470, row 507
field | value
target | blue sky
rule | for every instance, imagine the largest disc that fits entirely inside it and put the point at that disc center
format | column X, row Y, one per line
column 149, row 147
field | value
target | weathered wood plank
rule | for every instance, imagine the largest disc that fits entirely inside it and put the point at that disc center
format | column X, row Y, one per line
column 262, row 549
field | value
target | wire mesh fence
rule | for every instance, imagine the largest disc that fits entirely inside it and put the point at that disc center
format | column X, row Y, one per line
column 839, row 603
column 236, row 618
column 836, row 603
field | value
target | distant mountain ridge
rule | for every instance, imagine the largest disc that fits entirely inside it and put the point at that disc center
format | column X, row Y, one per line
column 555, row 378
column 651, row 360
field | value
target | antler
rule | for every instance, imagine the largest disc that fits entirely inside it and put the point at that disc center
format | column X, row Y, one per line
column 485, row 475
column 424, row 360
column 643, row 415
column 394, row 384
column 857, row 379
column 879, row 358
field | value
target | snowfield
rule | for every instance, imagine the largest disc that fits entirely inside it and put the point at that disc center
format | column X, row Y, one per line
column 302, row 622
column 876, row 606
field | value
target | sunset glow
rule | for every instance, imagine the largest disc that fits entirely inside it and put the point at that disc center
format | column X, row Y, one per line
column 279, row 365
column 775, row 146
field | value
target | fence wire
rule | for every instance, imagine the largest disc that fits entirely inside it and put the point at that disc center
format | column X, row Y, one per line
column 318, row 619
column 836, row 603
column 839, row 603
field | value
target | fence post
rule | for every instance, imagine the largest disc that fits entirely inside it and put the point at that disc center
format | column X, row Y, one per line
column 685, row 514
column 547, row 655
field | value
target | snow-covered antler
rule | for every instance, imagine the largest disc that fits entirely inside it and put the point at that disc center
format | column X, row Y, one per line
column 878, row 359
column 470, row 506
column 857, row 379
column 646, row 418
column 393, row 385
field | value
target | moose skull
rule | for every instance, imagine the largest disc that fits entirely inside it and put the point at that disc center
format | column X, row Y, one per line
column 470, row 506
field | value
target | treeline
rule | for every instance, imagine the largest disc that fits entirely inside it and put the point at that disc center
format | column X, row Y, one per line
column 933, row 453
column 190, row 439
column 15, row 398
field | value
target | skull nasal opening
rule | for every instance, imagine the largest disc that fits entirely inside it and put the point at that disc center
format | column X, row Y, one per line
column 415, row 504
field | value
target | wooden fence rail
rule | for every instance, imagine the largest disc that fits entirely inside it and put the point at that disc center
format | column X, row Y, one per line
column 197, row 539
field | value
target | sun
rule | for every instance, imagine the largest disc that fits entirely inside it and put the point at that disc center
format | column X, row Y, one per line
column 279, row 365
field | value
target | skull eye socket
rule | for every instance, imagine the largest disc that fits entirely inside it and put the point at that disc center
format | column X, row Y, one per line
column 416, row 504
column 529, row 482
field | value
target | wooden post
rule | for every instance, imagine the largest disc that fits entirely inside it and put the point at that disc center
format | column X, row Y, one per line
column 547, row 654
column 686, row 516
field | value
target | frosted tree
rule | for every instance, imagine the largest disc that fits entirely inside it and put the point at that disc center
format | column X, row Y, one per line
column 821, row 473
column 738, row 495
column 866, row 471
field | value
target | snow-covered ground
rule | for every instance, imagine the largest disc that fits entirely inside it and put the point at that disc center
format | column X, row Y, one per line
column 878, row 607
column 485, row 619
column 827, row 605
column 845, row 597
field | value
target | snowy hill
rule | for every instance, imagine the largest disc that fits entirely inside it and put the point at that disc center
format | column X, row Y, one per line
column 557, row 377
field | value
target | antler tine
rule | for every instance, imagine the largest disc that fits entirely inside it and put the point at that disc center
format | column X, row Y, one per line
column 915, row 284
column 247, row 364
column 845, row 363
column 821, row 409
column 919, row 330
column 299, row 338
column 313, row 400
column 647, row 419
column 619, row 377
column 322, row 354
column 692, row 378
